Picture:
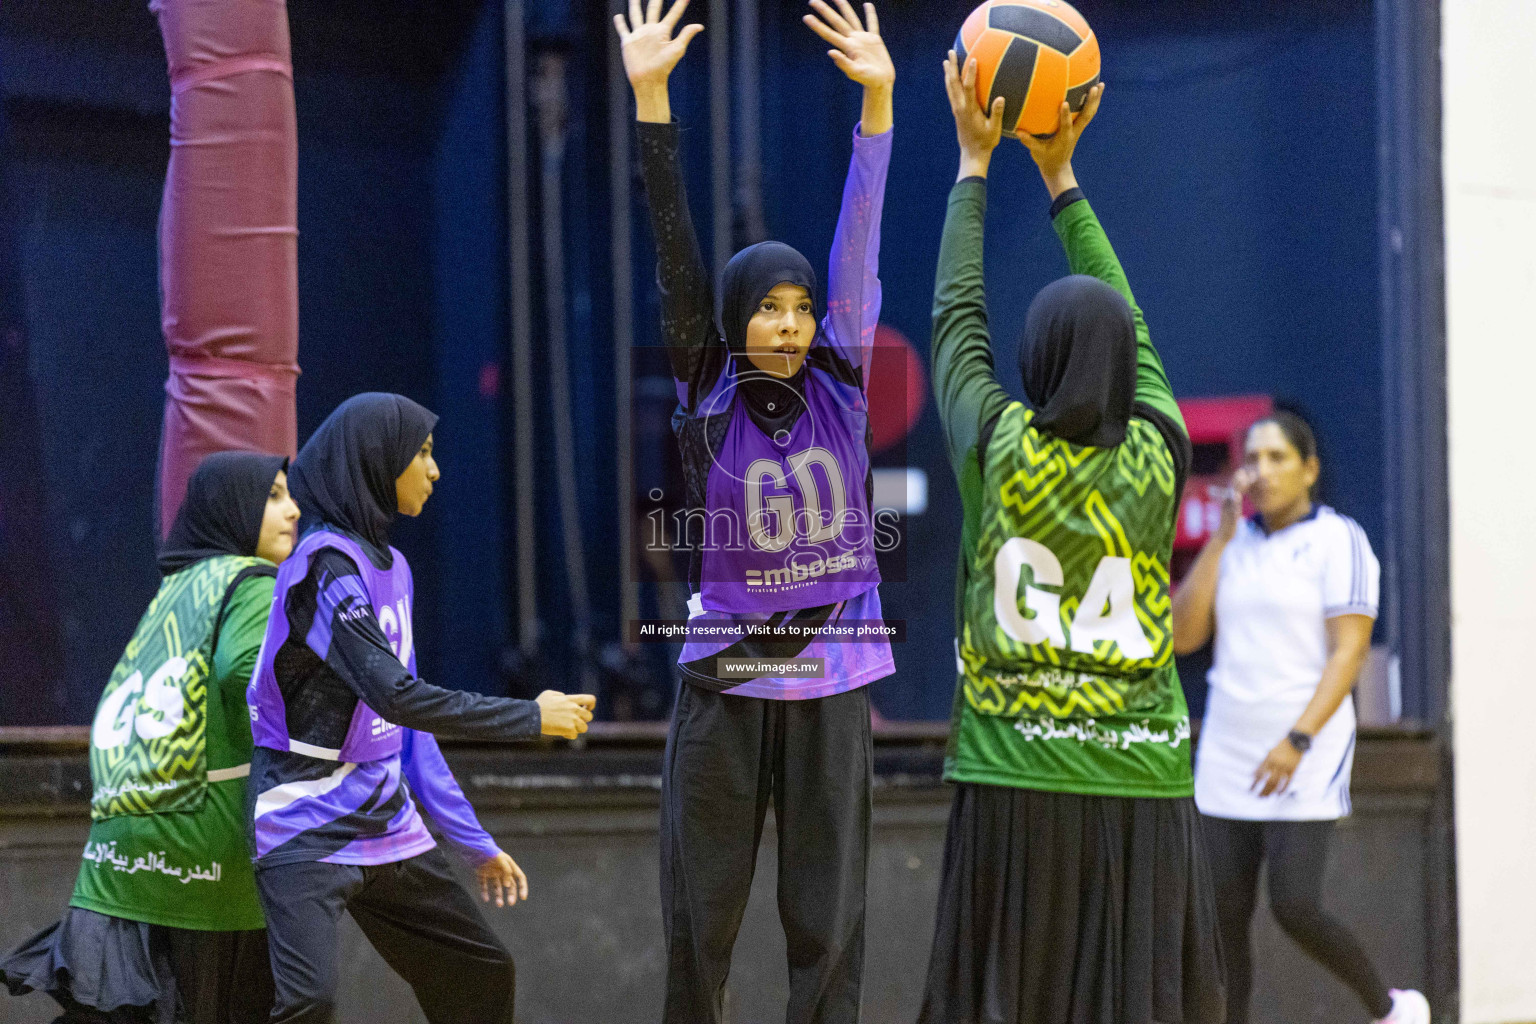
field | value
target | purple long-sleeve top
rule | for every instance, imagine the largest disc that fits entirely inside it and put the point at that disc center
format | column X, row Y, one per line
column 825, row 587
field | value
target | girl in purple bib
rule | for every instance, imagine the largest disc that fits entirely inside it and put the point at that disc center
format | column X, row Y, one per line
column 772, row 422
column 345, row 748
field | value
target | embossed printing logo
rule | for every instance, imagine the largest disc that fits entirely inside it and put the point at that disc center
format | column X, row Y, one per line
column 382, row 728
column 799, row 572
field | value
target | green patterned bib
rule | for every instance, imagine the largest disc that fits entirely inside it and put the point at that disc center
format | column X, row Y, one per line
column 1066, row 648
column 148, row 740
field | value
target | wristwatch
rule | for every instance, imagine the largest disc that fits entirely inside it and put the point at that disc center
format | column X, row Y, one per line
column 1300, row 740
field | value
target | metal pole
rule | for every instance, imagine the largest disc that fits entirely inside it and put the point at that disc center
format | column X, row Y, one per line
column 519, row 271
column 749, row 187
column 1411, row 221
column 623, row 327
column 720, row 130
column 549, row 98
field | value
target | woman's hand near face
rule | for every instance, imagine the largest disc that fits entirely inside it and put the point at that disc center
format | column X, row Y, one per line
column 650, row 53
column 859, row 53
column 1232, row 504
column 977, row 131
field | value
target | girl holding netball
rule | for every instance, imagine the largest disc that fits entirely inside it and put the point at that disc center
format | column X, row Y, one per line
column 772, row 419
column 1290, row 596
column 1074, row 886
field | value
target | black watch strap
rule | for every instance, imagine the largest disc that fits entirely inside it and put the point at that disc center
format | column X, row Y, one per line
column 1300, row 740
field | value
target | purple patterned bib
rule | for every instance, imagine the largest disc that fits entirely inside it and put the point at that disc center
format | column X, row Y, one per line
column 390, row 592
column 788, row 521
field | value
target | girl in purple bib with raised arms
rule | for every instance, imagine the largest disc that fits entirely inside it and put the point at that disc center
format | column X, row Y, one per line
column 772, row 422
column 345, row 750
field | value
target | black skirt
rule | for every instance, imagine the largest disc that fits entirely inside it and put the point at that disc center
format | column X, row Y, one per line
column 1056, row 908
column 117, row 971
column 94, row 961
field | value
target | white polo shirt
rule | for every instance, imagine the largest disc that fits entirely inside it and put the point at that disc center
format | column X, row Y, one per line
column 1274, row 594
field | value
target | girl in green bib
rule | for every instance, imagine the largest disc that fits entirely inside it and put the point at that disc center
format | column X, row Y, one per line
column 1074, row 885
column 164, row 923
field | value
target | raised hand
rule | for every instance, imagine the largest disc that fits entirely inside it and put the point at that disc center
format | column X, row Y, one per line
column 565, row 714
column 1054, row 155
column 977, row 131
column 651, row 52
column 860, row 53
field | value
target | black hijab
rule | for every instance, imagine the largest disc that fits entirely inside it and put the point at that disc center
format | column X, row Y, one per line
column 345, row 473
column 222, row 512
column 752, row 274
column 1078, row 360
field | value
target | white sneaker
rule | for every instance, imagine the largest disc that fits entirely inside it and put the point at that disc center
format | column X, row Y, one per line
column 1408, row 1007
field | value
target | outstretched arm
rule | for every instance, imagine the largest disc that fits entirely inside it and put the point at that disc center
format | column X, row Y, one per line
column 853, row 280
column 963, row 381
column 1088, row 249
column 347, row 637
column 687, row 306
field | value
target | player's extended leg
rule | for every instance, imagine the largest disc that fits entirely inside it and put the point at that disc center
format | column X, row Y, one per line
column 303, row 903
column 228, row 237
column 1235, row 850
column 823, row 773
column 715, row 783
column 428, row 929
column 1298, row 856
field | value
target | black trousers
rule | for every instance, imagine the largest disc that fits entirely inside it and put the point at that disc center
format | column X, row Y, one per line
column 726, row 757
column 1297, row 854
column 422, row 922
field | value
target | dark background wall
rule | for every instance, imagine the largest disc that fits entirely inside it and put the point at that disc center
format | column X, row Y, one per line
column 1233, row 166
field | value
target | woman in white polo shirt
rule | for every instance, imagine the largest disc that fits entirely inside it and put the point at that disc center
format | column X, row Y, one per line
column 1290, row 597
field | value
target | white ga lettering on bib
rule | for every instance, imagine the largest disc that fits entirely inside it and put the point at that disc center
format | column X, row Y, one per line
column 1107, row 611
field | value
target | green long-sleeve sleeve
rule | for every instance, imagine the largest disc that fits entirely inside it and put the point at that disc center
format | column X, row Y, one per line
column 963, row 379
column 239, row 645
column 1089, row 252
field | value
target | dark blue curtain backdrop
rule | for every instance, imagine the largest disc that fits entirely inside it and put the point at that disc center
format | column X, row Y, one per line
column 1233, row 165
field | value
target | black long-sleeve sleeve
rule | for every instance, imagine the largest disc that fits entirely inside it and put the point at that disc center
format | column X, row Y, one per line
column 687, row 302
column 337, row 651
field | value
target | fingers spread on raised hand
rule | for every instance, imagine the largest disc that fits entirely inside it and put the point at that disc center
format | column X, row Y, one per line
column 831, row 16
column 850, row 15
column 968, row 76
column 653, row 12
column 636, row 18
column 1064, row 118
column 815, row 25
column 996, row 115
column 871, row 19
column 675, row 14
column 688, row 32
column 623, row 27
